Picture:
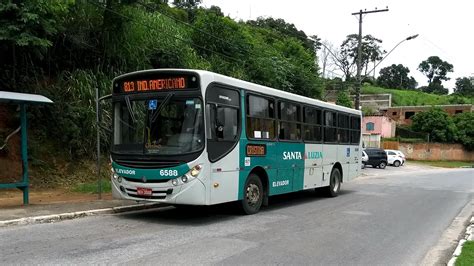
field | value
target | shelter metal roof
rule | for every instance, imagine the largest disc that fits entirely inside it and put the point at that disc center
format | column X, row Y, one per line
column 15, row 97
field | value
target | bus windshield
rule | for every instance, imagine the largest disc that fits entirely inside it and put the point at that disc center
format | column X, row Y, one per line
column 161, row 126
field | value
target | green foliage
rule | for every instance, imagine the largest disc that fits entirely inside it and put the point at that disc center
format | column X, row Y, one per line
column 467, row 254
column 286, row 29
column 71, row 120
column 65, row 49
column 368, row 111
column 32, row 22
column 465, row 86
column 396, row 76
column 435, row 69
column 229, row 39
column 465, row 129
column 435, row 88
column 371, row 52
column 93, row 187
column 343, row 99
column 437, row 123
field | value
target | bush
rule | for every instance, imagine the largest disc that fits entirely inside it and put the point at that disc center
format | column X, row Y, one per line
column 465, row 129
column 437, row 123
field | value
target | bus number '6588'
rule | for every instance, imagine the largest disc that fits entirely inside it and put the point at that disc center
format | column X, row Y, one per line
column 169, row 172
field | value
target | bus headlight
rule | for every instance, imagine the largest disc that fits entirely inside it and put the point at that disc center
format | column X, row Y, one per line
column 190, row 175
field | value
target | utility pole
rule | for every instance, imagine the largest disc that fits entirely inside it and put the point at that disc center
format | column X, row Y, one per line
column 359, row 52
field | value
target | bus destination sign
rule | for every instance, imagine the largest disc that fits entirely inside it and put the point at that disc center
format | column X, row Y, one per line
column 154, row 84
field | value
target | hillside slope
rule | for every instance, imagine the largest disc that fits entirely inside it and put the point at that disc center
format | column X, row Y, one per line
column 412, row 97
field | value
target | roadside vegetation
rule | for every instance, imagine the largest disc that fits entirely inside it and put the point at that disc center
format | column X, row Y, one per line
column 467, row 255
column 92, row 187
column 416, row 97
column 66, row 49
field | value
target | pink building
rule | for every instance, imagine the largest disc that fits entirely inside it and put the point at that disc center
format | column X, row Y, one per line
column 378, row 125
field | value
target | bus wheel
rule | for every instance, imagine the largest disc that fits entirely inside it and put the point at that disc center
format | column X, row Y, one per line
column 253, row 195
column 334, row 183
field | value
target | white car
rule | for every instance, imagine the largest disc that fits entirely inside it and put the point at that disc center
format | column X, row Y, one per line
column 401, row 154
column 394, row 159
column 365, row 158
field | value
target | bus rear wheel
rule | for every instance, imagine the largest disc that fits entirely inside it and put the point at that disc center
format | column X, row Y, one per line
column 253, row 195
column 334, row 183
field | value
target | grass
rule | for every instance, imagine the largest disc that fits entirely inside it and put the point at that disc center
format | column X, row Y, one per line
column 413, row 97
column 446, row 164
column 467, row 255
column 92, row 187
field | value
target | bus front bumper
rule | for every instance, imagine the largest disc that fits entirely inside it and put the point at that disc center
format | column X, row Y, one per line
column 191, row 193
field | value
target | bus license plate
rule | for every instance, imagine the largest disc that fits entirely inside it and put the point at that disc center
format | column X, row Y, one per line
column 143, row 191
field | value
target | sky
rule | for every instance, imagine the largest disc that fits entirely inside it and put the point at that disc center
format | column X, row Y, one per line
column 445, row 28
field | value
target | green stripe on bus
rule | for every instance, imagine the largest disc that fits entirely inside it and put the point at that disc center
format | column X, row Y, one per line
column 151, row 174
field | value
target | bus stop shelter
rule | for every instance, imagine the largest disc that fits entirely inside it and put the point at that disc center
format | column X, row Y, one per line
column 23, row 100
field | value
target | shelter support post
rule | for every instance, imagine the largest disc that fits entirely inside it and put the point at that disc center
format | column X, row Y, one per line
column 24, row 154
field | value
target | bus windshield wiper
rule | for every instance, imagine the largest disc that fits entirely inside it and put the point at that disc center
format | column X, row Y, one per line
column 162, row 105
column 129, row 107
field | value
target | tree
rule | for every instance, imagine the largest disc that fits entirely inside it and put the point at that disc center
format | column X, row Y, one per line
column 465, row 129
column 343, row 99
column 285, row 28
column 435, row 88
column 435, row 69
column 437, row 123
column 348, row 53
column 396, row 76
column 187, row 4
column 465, row 86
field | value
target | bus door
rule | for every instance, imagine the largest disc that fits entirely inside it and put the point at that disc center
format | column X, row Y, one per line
column 313, row 166
column 223, row 125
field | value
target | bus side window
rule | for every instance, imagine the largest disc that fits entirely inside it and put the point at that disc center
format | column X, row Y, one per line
column 330, row 130
column 260, row 117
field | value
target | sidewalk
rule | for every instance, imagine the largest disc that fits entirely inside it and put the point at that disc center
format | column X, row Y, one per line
column 53, row 206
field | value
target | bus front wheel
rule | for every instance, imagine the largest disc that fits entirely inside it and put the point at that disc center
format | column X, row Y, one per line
column 334, row 183
column 253, row 195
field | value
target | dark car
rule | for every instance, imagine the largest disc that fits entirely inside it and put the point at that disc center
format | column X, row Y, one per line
column 377, row 158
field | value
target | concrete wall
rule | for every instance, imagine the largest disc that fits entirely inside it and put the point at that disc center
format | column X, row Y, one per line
column 436, row 152
column 371, row 141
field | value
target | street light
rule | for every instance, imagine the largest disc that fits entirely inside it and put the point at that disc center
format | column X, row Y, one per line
column 406, row 39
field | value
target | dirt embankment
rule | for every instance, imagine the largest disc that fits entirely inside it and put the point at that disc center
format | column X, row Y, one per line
column 10, row 156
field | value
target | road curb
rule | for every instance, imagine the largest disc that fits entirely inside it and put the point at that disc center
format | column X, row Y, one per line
column 469, row 235
column 79, row 214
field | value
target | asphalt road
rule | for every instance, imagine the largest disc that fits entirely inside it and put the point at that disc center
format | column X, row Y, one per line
column 391, row 216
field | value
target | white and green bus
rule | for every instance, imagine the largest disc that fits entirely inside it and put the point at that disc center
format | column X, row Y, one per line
column 195, row 137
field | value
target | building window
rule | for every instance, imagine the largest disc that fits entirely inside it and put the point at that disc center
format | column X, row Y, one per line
column 458, row 111
column 394, row 113
column 369, row 126
column 408, row 115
